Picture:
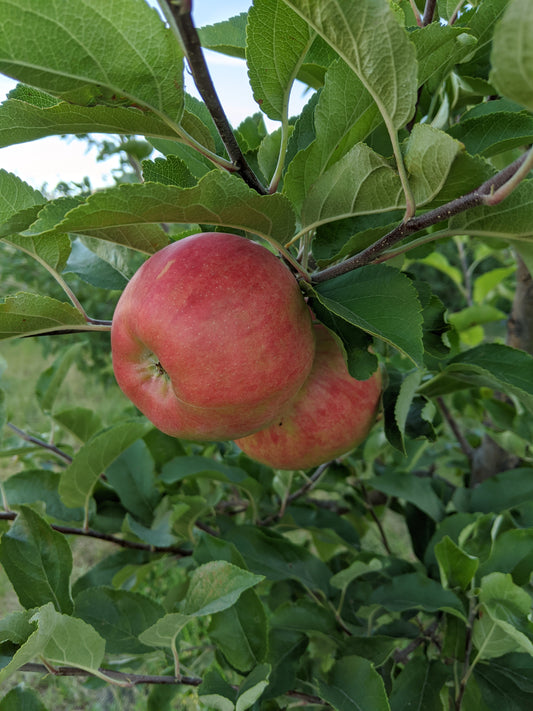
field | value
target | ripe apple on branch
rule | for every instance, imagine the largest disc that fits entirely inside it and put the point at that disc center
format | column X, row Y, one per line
column 212, row 340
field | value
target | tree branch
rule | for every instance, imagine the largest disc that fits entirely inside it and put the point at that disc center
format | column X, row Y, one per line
column 40, row 443
column 124, row 678
column 429, row 12
column 476, row 197
column 91, row 533
column 182, row 20
column 467, row 449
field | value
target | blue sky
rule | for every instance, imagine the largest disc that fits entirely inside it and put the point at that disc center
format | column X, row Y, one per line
column 50, row 160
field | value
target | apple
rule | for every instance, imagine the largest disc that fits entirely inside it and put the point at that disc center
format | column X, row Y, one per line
column 329, row 416
column 212, row 337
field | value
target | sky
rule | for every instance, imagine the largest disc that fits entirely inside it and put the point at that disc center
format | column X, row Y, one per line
column 50, row 160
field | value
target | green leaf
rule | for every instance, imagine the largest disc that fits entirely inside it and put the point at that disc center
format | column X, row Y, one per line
column 21, row 121
column 104, row 572
column 429, row 155
column 36, row 485
column 397, row 401
column 505, row 609
column 277, row 42
column 132, row 57
column 132, row 476
column 272, row 555
column 345, row 114
column 215, row 586
column 252, row 687
column 354, row 685
column 505, row 683
column 218, row 199
column 181, row 468
column 21, row 699
column 511, row 219
column 493, row 133
column 411, row 488
column 16, row 627
column 511, row 552
column 27, row 314
column 92, row 269
column 241, row 632
column 168, row 171
column 457, row 568
column 413, row 591
column 52, row 253
column 52, row 378
column 382, row 302
column 360, row 183
column 81, row 476
column 82, row 422
column 216, row 693
column 512, row 53
column 370, row 39
column 45, row 575
column 492, row 365
column 164, row 632
column 61, row 640
column 119, row 616
column 438, row 49
column 419, row 685
column 500, row 492
column 15, row 196
column 227, row 37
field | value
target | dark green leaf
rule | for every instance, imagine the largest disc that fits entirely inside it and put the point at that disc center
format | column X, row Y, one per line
column 45, row 575
column 380, row 301
column 119, row 616
column 354, row 685
column 413, row 591
column 419, row 685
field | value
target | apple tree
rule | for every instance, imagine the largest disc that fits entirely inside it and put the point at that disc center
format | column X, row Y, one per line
column 395, row 575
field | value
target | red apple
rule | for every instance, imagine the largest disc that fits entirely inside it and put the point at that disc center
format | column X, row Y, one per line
column 329, row 416
column 212, row 337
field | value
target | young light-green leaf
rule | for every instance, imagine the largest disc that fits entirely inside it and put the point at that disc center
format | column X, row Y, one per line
column 215, row 586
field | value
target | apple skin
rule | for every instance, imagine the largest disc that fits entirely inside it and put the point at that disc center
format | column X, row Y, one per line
column 211, row 338
column 329, row 416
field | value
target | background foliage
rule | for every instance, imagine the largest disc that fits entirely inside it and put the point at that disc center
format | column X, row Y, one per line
column 171, row 574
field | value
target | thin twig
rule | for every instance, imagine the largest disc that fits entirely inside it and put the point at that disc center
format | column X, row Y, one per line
column 415, row 224
column 108, row 537
column 40, row 443
column 125, row 678
column 309, row 484
column 370, row 509
column 128, row 680
column 181, row 14
column 467, row 669
column 467, row 449
column 401, row 656
column 455, row 13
